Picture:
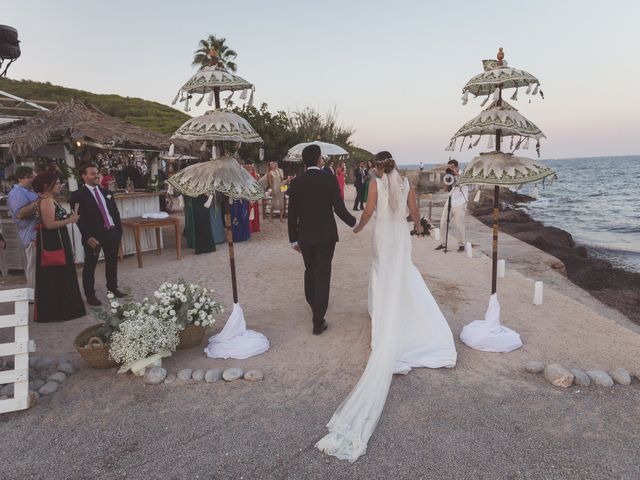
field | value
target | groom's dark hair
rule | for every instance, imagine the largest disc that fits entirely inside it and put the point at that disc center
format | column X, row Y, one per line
column 311, row 155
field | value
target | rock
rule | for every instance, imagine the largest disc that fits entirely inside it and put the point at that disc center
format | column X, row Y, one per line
column 621, row 376
column 636, row 374
column 171, row 378
column 558, row 375
column 35, row 384
column 33, row 398
column 253, row 375
column 185, row 374
column 155, row 376
column 580, row 378
column 198, row 375
column 7, row 390
column 59, row 377
column 48, row 388
column 66, row 367
column 534, row 367
column 600, row 378
column 44, row 363
column 213, row 375
column 231, row 374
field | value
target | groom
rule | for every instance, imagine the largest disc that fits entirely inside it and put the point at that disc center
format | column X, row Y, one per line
column 313, row 198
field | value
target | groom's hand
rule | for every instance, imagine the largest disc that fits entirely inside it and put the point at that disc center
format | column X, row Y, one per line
column 296, row 247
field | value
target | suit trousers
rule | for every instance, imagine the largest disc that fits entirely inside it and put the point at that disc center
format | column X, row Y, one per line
column 317, row 278
column 359, row 202
column 109, row 245
column 456, row 223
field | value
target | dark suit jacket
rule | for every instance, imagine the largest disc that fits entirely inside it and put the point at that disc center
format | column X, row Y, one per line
column 313, row 199
column 90, row 222
column 327, row 169
column 358, row 178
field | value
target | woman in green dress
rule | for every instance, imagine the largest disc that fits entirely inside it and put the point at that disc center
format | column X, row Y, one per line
column 369, row 173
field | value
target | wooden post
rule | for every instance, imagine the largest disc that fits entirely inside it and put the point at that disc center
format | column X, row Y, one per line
column 232, row 258
column 496, row 214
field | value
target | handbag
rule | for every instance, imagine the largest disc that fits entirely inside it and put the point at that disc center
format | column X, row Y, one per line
column 52, row 258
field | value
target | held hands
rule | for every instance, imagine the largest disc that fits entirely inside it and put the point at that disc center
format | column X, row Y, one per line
column 358, row 228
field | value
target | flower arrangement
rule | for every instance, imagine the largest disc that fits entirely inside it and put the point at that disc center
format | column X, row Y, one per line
column 142, row 335
column 427, row 226
column 187, row 303
column 137, row 330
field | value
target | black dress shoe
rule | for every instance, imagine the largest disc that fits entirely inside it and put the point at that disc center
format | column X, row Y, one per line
column 461, row 248
column 320, row 329
column 439, row 247
column 118, row 294
column 93, row 301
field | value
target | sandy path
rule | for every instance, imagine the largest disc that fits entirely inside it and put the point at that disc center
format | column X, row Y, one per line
column 486, row 418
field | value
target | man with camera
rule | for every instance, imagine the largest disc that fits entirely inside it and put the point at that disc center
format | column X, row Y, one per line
column 454, row 208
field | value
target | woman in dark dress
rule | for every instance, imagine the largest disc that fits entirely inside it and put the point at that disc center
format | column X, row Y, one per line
column 57, row 295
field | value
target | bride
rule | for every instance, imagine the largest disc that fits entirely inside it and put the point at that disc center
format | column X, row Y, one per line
column 407, row 328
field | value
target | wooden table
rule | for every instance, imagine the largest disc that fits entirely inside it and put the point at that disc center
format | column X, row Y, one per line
column 138, row 223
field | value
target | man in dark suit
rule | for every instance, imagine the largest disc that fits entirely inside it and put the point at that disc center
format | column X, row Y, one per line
column 313, row 199
column 358, row 182
column 101, row 229
column 328, row 168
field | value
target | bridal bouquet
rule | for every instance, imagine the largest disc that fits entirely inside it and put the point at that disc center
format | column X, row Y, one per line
column 186, row 303
column 427, row 226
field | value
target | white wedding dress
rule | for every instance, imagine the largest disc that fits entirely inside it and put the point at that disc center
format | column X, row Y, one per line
column 408, row 329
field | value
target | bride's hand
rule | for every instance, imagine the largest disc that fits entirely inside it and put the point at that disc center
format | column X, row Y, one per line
column 358, row 229
column 419, row 228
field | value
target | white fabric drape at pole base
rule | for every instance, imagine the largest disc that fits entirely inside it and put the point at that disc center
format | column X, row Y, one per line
column 235, row 341
column 488, row 334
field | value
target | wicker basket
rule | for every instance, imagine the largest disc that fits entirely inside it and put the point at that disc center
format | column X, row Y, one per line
column 93, row 350
column 191, row 336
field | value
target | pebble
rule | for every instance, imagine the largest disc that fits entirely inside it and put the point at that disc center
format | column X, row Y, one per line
column 535, row 367
column 185, row 374
column 67, row 368
column 155, row 376
column 44, row 363
column 580, row 378
column 213, row 375
column 600, row 378
column 48, row 388
column 57, row 377
column 253, row 375
column 621, row 376
column 231, row 374
column 36, row 384
column 171, row 378
column 198, row 375
column 558, row 375
column 7, row 390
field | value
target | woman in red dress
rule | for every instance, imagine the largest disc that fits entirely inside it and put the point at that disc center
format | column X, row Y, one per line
column 254, row 212
column 340, row 175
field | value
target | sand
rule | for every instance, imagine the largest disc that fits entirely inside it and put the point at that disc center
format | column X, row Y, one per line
column 487, row 418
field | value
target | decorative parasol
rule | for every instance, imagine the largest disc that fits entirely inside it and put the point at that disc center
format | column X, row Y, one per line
column 498, row 76
column 498, row 117
column 327, row 149
column 222, row 175
column 9, row 47
column 207, row 80
column 218, row 125
column 498, row 169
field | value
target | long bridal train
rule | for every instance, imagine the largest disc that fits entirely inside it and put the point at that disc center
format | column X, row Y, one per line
column 408, row 328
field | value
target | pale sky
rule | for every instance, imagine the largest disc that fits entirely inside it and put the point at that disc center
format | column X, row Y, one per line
column 393, row 70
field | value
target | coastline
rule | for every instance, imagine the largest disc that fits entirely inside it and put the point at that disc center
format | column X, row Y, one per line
column 614, row 286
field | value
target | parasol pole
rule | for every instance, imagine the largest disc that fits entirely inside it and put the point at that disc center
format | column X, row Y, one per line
column 496, row 198
column 227, row 217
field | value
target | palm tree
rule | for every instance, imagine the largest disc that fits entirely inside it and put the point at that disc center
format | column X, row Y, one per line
column 212, row 46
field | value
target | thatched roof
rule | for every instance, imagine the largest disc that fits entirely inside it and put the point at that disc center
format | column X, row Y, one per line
column 82, row 122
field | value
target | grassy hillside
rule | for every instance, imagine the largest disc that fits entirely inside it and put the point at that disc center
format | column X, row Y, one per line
column 144, row 113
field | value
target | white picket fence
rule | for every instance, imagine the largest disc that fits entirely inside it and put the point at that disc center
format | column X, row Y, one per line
column 19, row 348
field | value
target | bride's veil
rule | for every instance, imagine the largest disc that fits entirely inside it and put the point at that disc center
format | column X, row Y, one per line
column 395, row 186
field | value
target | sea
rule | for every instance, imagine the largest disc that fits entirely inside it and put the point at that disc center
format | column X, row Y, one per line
column 596, row 200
